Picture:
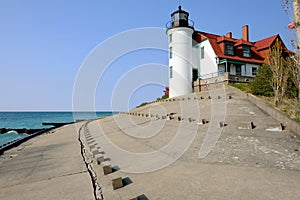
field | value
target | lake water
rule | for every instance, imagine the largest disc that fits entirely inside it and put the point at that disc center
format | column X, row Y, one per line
column 34, row 120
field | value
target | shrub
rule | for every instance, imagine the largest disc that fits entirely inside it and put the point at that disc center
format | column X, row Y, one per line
column 163, row 97
column 292, row 90
column 262, row 83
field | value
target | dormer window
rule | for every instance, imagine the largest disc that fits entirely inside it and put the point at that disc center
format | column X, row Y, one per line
column 229, row 48
column 246, row 51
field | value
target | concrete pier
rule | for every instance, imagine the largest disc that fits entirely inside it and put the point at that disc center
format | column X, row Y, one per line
column 127, row 156
column 245, row 163
column 49, row 166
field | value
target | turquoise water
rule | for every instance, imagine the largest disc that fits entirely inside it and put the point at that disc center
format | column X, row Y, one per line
column 34, row 120
column 10, row 137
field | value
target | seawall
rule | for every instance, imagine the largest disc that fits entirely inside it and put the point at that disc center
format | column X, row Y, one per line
column 276, row 114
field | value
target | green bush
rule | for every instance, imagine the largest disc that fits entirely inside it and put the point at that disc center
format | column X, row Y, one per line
column 292, row 90
column 163, row 97
column 262, row 83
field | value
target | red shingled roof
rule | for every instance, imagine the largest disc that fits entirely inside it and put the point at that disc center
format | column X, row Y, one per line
column 265, row 43
column 258, row 49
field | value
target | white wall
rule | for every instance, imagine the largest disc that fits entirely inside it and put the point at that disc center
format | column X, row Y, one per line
column 244, row 70
column 181, row 61
column 208, row 63
column 196, row 58
column 222, row 68
column 249, row 68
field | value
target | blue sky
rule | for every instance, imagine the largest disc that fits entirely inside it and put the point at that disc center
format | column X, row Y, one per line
column 43, row 44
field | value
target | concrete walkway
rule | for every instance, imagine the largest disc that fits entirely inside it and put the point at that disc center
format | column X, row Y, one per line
column 245, row 163
column 208, row 145
column 49, row 166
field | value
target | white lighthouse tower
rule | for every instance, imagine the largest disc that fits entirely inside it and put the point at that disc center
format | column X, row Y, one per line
column 180, row 30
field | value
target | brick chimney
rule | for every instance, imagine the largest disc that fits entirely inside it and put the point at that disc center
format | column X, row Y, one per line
column 245, row 33
column 229, row 35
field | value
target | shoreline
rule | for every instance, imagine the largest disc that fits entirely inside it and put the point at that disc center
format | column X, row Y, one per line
column 17, row 142
column 79, row 161
column 30, row 132
column 21, row 130
column 49, row 166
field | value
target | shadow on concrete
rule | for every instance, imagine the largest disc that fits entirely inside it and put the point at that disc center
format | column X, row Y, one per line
column 115, row 168
column 126, row 181
column 142, row 197
column 107, row 159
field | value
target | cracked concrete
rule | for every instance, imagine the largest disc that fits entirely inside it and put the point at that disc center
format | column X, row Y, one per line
column 49, row 166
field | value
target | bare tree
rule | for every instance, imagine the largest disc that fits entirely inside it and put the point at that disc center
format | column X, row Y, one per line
column 294, row 62
column 280, row 72
column 292, row 9
column 293, row 65
column 296, row 68
column 296, row 11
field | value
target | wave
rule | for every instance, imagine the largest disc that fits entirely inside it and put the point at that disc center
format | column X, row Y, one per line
column 10, row 136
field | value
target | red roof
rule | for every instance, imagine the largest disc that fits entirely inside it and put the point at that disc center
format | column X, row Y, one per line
column 243, row 42
column 258, row 49
column 265, row 43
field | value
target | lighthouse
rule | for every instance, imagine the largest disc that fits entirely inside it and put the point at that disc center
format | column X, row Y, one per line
column 180, row 30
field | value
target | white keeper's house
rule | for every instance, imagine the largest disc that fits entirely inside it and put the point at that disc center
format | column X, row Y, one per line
column 197, row 58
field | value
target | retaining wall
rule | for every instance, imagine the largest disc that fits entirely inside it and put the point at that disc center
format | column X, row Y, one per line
column 276, row 114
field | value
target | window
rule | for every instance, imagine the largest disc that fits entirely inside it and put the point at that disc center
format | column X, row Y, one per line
column 246, row 51
column 202, row 52
column 170, row 38
column 229, row 49
column 170, row 52
column 171, row 72
column 183, row 16
column 175, row 17
column 254, row 71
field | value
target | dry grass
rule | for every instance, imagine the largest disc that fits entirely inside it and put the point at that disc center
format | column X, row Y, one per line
column 289, row 107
